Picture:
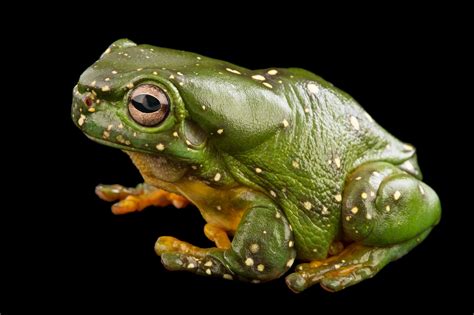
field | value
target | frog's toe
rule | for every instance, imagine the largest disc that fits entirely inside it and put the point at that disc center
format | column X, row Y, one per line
column 109, row 192
column 296, row 282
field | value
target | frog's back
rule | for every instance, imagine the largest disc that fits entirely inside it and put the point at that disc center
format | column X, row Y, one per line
column 304, row 166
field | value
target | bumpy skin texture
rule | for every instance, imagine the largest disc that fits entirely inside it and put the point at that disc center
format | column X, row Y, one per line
column 281, row 160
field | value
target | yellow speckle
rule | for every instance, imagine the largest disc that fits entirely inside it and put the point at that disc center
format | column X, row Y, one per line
column 290, row 262
column 268, row 85
column 217, row 177
column 280, row 81
column 93, row 83
column 422, row 191
column 114, row 72
column 107, row 79
column 139, row 69
column 306, row 109
column 260, row 267
column 175, row 134
column 107, row 51
column 198, row 58
column 258, row 77
column 81, row 120
column 348, row 218
column 171, row 77
column 285, row 123
column 278, row 215
column 358, row 178
column 355, row 210
column 91, row 109
column 338, row 197
column 160, row 146
column 120, row 126
column 307, row 205
column 258, row 170
column 363, row 195
column 368, row 216
column 355, row 123
column 372, row 194
column 325, row 211
column 106, row 134
column 313, row 88
column 130, row 86
column 254, row 248
column 105, row 88
column 109, row 127
column 181, row 83
column 155, row 73
column 337, row 161
column 273, row 194
column 291, row 244
column 191, row 266
column 203, row 107
column 232, row 71
column 408, row 147
column 227, row 276
column 397, row 195
column 387, row 208
column 188, row 142
column 208, row 264
column 249, row 261
column 179, row 73
column 208, row 271
column 220, row 131
column 295, row 164
column 337, row 266
column 272, row 72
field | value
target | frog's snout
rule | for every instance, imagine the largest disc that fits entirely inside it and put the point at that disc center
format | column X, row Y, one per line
column 82, row 105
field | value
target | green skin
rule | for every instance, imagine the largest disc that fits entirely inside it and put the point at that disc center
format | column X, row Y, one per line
column 315, row 178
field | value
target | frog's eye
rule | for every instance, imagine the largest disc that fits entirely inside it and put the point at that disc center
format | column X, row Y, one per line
column 148, row 105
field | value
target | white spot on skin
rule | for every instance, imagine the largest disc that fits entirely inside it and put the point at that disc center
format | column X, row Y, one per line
column 93, row 83
column 348, row 218
column 313, row 88
column 107, row 79
column 219, row 208
column 368, row 216
column 338, row 197
column 227, row 276
column 387, row 208
column 139, row 69
column 278, row 215
column 264, row 232
column 175, row 134
column 106, row 134
column 81, row 120
column 358, row 178
column 372, row 194
column 363, row 195
column 107, row 51
column 208, row 264
column 291, row 244
column 91, row 109
column 337, row 161
column 397, row 195
column 307, row 205
column 155, row 73
column 249, row 262
column 188, row 142
column 191, row 266
column 355, row 210
column 258, row 77
column 181, row 83
column 105, row 88
column 203, row 107
column 295, row 164
column 254, row 248
column 160, row 146
column 258, row 170
column 272, row 72
column 268, row 85
column 337, row 266
column 130, row 86
column 324, row 211
column 260, row 267
column 290, row 262
column 120, row 126
column 220, row 131
column 171, row 76
column 306, row 109
column 285, row 123
column 273, row 193
column 179, row 73
column 422, row 191
column 232, row 71
column 217, row 177
column 208, row 271
column 355, row 123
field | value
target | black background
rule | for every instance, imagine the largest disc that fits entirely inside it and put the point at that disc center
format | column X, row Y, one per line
column 64, row 247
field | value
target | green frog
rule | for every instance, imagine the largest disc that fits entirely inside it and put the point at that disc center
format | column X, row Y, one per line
column 282, row 165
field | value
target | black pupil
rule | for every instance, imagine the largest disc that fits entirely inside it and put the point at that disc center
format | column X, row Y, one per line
column 146, row 103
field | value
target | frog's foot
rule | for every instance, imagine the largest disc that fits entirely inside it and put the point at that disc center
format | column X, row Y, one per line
column 137, row 198
column 356, row 263
column 261, row 249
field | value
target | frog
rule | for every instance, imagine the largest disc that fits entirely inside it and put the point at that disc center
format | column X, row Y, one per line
column 283, row 166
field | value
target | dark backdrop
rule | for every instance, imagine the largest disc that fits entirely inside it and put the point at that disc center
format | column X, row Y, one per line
column 63, row 245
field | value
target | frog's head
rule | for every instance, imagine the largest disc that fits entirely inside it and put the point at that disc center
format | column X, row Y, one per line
column 176, row 105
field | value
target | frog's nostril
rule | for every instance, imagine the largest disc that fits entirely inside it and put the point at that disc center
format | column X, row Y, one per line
column 88, row 101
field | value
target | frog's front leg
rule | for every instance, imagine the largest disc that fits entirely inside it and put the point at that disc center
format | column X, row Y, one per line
column 386, row 212
column 261, row 250
column 133, row 199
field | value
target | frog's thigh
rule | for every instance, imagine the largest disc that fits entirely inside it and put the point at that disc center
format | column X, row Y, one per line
column 261, row 250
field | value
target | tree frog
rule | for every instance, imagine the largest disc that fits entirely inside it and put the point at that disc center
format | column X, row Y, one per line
column 282, row 165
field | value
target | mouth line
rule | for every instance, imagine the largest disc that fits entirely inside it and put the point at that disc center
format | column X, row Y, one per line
column 116, row 145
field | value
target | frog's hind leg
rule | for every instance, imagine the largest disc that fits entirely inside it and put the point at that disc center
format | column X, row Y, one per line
column 137, row 198
column 261, row 250
column 386, row 212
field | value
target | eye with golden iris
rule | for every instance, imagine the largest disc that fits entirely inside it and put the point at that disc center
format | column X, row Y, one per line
column 148, row 105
